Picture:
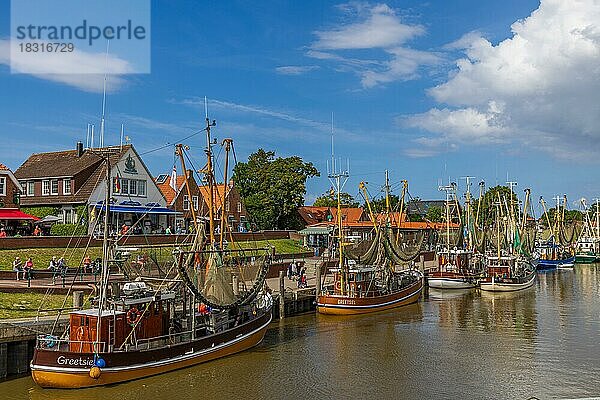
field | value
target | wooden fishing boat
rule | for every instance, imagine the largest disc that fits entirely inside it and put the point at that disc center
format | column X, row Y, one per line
column 210, row 308
column 557, row 251
column 587, row 247
column 508, row 274
column 373, row 280
column 510, row 268
column 457, row 268
column 87, row 359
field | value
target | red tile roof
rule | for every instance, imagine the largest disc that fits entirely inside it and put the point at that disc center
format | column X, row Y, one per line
column 312, row 215
column 4, row 167
column 167, row 190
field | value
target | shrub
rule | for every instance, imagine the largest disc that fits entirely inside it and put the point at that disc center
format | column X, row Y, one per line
column 40, row 212
column 68, row 230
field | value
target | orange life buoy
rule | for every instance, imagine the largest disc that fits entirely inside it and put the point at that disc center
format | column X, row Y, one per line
column 338, row 285
column 80, row 333
column 133, row 315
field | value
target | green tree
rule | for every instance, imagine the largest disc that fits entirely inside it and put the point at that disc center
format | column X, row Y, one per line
column 329, row 199
column 378, row 205
column 434, row 214
column 490, row 198
column 273, row 188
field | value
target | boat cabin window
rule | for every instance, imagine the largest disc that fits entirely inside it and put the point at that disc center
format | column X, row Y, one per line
column 351, row 277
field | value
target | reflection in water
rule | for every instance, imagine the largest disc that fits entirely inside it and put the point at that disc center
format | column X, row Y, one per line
column 537, row 342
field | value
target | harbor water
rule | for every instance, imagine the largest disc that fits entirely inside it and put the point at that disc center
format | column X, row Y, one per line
column 542, row 342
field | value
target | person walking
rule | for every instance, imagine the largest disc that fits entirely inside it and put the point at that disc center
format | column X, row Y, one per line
column 18, row 267
column 2, row 233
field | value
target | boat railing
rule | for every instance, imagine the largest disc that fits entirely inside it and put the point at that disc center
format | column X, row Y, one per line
column 161, row 341
column 53, row 343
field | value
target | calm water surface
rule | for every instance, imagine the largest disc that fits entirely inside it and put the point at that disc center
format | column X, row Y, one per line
column 541, row 342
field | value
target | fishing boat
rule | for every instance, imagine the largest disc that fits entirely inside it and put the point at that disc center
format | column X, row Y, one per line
column 206, row 309
column 365, row 282
column 458, row 268
column 508, row 273
column 510, row 267
column 587, row 248
column 556, row 252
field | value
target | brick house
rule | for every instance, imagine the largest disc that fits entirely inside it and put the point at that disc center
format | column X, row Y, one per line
column 236, row 216
column 179, row 200
column 73, row 178
column 11, row 218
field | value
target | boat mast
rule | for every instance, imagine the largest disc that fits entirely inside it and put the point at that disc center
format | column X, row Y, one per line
column 468, row 208
column 104, row 154
column 179, row 152
column 597, row 217
column 448, row 189
column 208, row 173
column 338, row 179
column 227, row 143
column 363, row 187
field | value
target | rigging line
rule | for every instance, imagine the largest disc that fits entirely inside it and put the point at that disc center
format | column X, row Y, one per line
column 171, row 144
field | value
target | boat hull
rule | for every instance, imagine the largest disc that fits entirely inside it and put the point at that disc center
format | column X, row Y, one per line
column 495, row 286
column 552, row 264
column 345, row 305
column 450, row 281
column 586, row 258
column 48, row 369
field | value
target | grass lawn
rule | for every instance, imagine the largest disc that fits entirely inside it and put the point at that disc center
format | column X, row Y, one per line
column 282, row 246
column 20, row 305
column 41, row 257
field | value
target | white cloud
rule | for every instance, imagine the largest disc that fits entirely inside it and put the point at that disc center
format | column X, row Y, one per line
column 372, row 27
column 70, row 66
column 296, row 69
column 540, row 87
column 380, row 28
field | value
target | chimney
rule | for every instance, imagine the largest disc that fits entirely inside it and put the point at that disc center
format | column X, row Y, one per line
column 190, row 174
column 231, row 184
column 79, row 149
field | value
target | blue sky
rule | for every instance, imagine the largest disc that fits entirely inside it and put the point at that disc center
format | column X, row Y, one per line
column 431, row 90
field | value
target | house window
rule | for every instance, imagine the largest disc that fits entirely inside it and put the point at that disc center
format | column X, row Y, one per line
column 141, row 188
column 195, row 202
column 186, row 202
column 23, row 186
column 30, row 189
column 133, row 187
column 124, row 186
column 239, row 208
column 68, row 216
column 45, row 188
column 227, row 206
column 66, row 186
column 2, row 186
column 54, row 187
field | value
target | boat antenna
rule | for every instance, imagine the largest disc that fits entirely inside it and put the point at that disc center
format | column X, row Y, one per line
column 122, row 132
column 92, row 133
column 104, row 95
column 87, row 137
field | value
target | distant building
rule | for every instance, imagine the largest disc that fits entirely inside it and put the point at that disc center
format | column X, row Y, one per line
column 178, row 199
column 12, row 220
column 236, row 216
column 321, row 223
column 73, row 178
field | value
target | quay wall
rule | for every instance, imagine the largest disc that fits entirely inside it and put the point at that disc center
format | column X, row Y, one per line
column 36, row 242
